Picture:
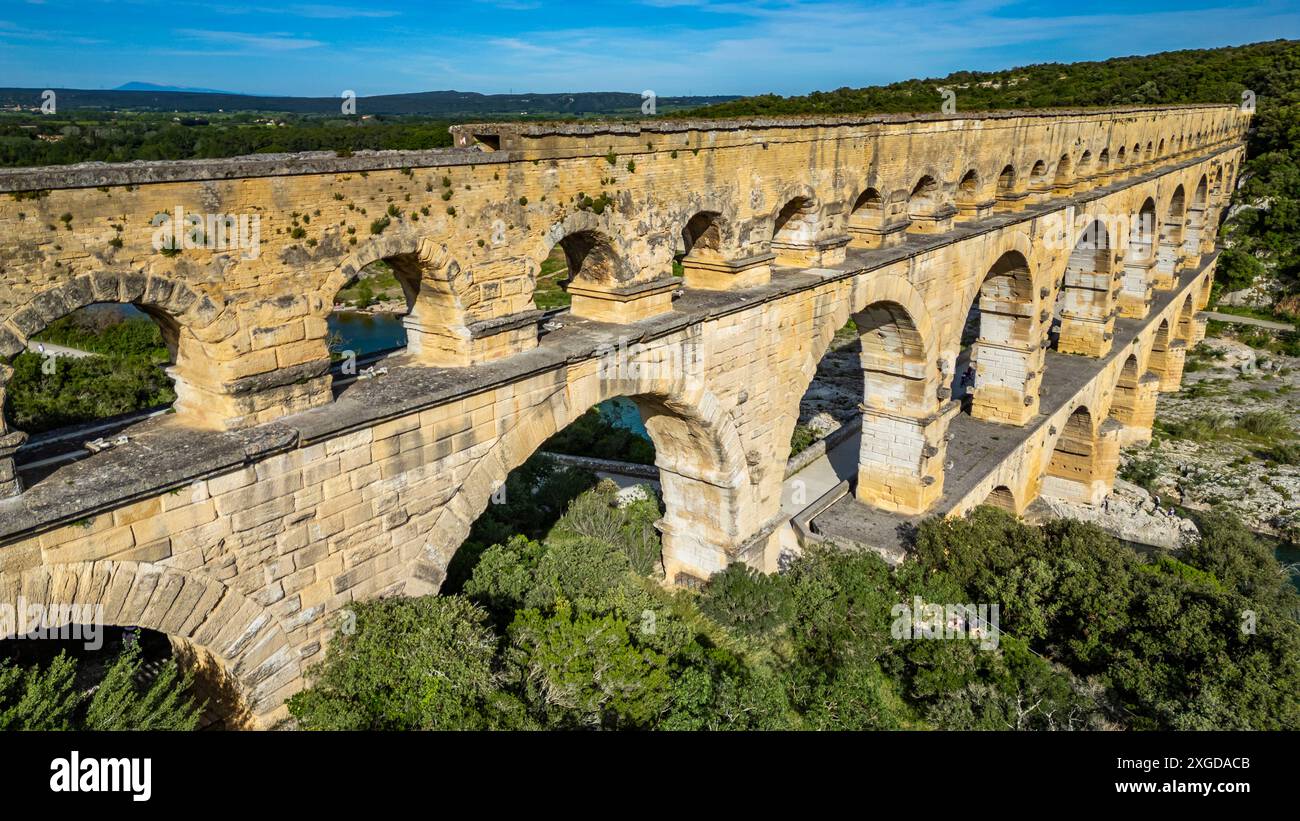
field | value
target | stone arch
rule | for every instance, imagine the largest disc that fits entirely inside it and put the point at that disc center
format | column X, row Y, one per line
column 796, row 227
column 444, row 303
column 1038, row 173
column 1196, row 218
column 1103, row 161
column 968, row 192
column 1083, row 304
column 704, row 233
column 1005, row 359
column 1171, row 239
column 1007, row 182
column 926, row 207
column 1139, row 259
column 1133, row 402
column 869, row 220
column 1120, row 157
column 241, row 636
column 1063, row 178
column 1077, row 467
column 192, row 325
column 1002, row 498
column 703, row 467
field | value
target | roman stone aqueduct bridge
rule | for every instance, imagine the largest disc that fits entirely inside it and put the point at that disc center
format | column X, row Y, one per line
column 270, row 500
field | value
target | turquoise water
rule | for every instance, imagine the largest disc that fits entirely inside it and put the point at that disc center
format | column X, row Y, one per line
column 367, row 333
column 622, row 413
column 370, row 333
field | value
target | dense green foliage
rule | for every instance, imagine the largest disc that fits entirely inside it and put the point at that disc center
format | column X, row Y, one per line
column 572, row 630
column 1216, row 75
column 30, row 140
column 127, row 376
column 48, row 698
column 595, row 436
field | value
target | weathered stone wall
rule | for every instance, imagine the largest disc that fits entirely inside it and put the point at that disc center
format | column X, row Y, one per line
column 470, row 229
column 249, row 543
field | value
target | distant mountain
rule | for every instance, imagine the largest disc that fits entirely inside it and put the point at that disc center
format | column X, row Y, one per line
column 138, row 86
column 428, row 103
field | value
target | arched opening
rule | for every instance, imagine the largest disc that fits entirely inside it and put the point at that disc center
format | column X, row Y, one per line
column 699, row 252
column 1171, row 240
column 1160, row 150
column 1003, row 499
column 794, row 231
column 87, row 377
column 1082, row 321
column 901, row 455
column 1134, row 403
column 1006, row 184
column 702, row 234
column 590, row 258
column 1196, row 218
column 1121, row 157
column 367, row 320
column 1070, row 473
column 1103, row 161
column 1064, row 172
column 1038, row 174
column 832, row 399
column 923, row 204
column 1000, row 320
column 1150, row 154
column 144, row 665
column 968, row 192
column 1136, row 155
column 867, row 218
column 1135, row 287
column 691, row 525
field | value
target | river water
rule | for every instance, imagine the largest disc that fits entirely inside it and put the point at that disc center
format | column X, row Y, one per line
column 371, row 333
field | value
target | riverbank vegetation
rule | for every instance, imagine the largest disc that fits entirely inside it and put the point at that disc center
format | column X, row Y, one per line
column 125, row 373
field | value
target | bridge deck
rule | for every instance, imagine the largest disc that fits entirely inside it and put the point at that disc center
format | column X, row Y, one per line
column 978, row 448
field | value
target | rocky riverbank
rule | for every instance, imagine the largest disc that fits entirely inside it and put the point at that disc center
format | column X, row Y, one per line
column 1229, row 437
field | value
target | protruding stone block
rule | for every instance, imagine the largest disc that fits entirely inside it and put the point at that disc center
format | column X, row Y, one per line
column 624, row 305
column 866, row 233
column 10, row 482
column 822, row 253
column 710, row 272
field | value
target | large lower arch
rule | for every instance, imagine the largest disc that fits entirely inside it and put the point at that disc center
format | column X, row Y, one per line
column 905, row 413
column 1006, row 359
column 711, row 517
column 1085, row 299
column 216, row 622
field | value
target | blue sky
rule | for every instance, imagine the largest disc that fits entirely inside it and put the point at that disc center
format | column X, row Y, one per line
column 672, row 47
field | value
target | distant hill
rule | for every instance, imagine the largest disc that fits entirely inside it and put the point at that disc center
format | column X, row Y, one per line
column 137, row 86
column 427, row 103
column 1216, row 75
